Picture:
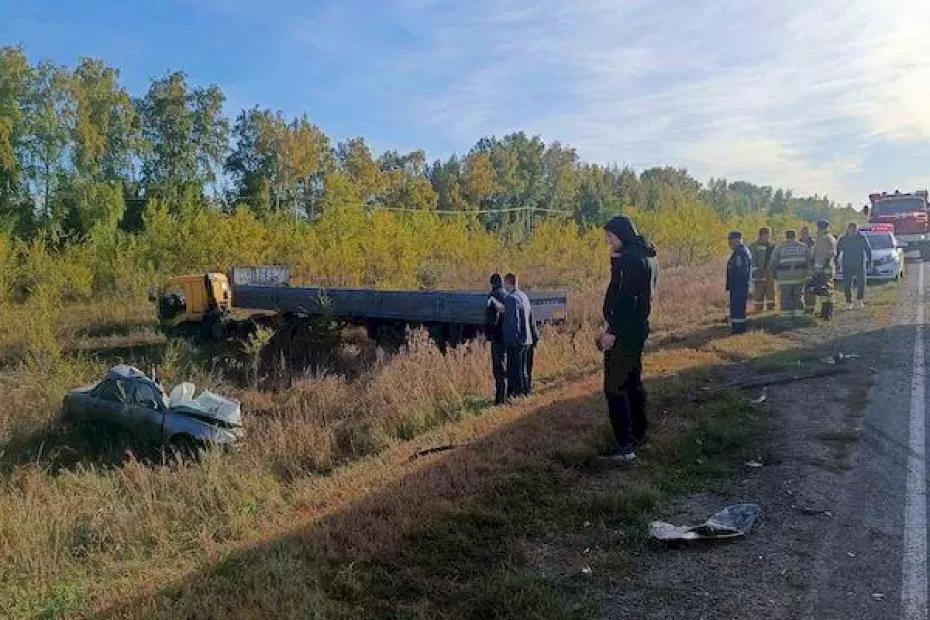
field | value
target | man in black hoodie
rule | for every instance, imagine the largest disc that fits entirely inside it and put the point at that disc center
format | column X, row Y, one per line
column 494, row 330
column 627, row 305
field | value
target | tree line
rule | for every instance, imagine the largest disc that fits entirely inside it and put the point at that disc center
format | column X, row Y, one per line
column 78, row 152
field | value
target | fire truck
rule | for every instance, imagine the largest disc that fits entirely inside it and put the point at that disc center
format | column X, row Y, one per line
column 909, row 213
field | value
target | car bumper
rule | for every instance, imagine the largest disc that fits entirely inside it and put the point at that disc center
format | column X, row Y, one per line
column 913, row 238
column 883, row 272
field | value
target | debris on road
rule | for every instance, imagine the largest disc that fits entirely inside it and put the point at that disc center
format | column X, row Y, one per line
column 754, row 464
column 813, row 512
column 732, row 522
column 434, row 450
column 586, row 570
column 878, row 596
column 839, row 358
column 762, row 398
column 786, row 377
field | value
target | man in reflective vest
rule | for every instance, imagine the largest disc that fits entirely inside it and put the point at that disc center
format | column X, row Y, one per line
column 823, row 270
column 763, row 282
column 791, row 265
column 739, row 271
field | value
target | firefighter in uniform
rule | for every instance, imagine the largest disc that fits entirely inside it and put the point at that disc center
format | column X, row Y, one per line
column 763, row 282
column 823, row 270
column 791, row 265
column 739, row 272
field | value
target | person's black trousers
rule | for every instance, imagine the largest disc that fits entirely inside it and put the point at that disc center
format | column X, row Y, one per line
column 626, row 397
column 850, row 274
column 516, row 369
column 499, row 370
column 528, row 370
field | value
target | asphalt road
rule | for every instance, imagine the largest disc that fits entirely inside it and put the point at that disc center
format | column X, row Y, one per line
column 872, row 562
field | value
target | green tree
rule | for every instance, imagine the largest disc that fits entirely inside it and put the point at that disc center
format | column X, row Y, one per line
column 278, row 164
column 15, row 80
column 50, row 120
column 406, row 184
column 107, row 131
column 355, row 159
column 186, row 136
column 447, row 181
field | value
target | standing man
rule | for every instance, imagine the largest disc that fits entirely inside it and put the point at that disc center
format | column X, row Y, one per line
column 791, row 264
column 823, row 270
column 806, row 237
column 627, row 305
column 739, row 270
column 855, row 253
column 531, row 351
column 494, row 330
column 763, row 282
column 517, row 335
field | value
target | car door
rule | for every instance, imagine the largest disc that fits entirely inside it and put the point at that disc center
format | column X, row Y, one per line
column 109, row 405
column 147, row 411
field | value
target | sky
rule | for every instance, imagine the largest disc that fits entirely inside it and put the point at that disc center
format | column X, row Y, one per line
column 821, row 96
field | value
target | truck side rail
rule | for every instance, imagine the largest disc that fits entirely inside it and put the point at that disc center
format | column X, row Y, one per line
column 415, row 307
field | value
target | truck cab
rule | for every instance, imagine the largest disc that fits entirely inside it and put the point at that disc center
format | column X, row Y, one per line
column 908, row 213
column 192, row 298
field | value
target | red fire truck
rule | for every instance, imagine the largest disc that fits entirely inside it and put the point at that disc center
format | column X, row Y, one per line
column 909, row 214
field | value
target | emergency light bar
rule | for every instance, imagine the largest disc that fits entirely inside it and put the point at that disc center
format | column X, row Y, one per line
column 921, row 193
column 879, row 228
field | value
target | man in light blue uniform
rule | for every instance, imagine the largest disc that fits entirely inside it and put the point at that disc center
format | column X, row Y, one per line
column 518, row 335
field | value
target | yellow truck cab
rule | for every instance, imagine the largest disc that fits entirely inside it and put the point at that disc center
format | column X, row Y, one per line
column 192, row 298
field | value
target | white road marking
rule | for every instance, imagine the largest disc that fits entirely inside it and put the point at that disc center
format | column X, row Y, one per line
column 914, row 556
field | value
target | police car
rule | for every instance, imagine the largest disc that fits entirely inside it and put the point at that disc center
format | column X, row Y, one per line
column 887, row 254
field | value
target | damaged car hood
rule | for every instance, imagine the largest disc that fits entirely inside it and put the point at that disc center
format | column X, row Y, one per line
column 207, row 406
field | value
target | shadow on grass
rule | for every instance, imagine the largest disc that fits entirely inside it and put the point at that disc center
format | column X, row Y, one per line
column 464, row 533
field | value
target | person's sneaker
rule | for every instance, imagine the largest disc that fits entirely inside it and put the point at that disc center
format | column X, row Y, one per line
column 849, row 306
column 861, row 304
column 621, row 455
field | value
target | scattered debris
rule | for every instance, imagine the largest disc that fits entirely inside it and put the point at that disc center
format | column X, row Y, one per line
column 839, row 358
column 878, row 596
column 732, row 522
column 786, row 377
column 586, row 570
column 851, row 554
column 762, row 398
column 754, row 464
column 434, row 450
column 586, row 524
column 813, row 512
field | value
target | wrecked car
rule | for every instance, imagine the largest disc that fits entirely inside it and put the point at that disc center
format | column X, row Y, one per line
column 131, row 401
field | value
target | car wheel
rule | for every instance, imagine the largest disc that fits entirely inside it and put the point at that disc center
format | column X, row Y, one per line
column 185, row 446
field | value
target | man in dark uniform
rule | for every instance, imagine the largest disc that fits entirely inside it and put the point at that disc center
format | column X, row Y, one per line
column 739, row 273
column 854, row 251
column 627, row 305
column 494, row 330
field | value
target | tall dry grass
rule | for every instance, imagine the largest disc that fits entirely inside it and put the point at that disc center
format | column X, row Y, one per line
column 70, row 518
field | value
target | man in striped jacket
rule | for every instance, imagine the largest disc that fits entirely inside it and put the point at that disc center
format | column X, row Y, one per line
column 791, row 264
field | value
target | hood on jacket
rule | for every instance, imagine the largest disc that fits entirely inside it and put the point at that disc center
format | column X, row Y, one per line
column 625, row 230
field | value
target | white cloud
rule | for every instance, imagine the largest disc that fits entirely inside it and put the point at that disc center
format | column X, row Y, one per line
column 792, row 93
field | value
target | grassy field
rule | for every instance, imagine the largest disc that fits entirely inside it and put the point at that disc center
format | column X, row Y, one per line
column 324, row 513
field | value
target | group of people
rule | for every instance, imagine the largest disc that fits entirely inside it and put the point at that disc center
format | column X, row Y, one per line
column 513, row 334
column 804, row 270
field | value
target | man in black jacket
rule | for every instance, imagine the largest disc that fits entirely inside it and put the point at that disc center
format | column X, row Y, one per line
column 494, row 330
column 855, row 254
column 627, row 305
